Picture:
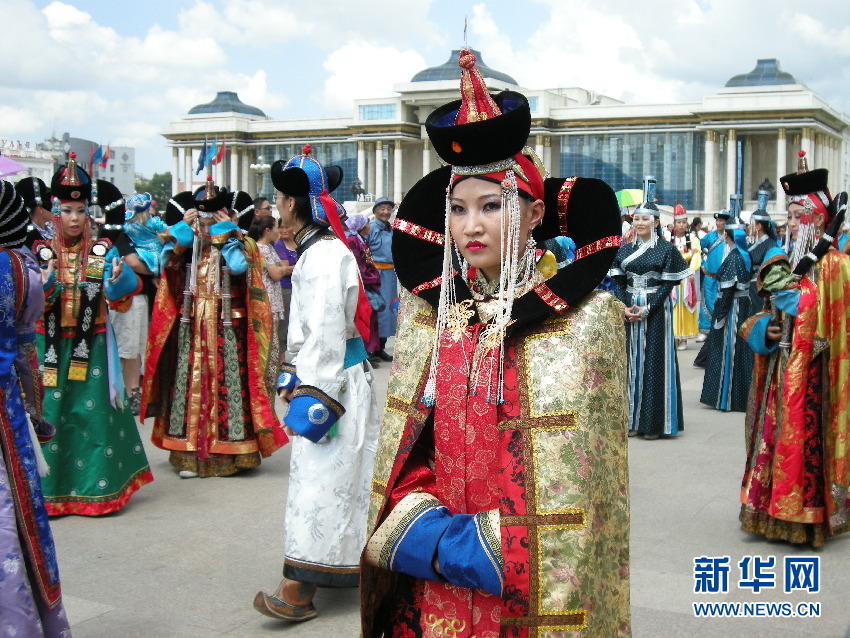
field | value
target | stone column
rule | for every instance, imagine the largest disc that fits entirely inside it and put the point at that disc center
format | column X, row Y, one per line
column 248, row 183
column 538, row 147
column 426, row 157
column 188, row 168
column 817, row 159
column 361, row 162
column 748, row 168
column 397, row 171
column 807, row 145
column 547, row 154
column 666, row 176
column 709, row 198
column 370, row 174
column 233, row 160
column 379, row 169
column 175, row 168
column 781, row 164
column 731, row 164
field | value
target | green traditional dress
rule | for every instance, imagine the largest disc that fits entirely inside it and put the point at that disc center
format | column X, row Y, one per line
column 96, row 459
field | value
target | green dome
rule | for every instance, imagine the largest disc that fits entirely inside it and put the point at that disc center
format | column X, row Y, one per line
column 449, row 70
column 766, row 73
column 226, row 102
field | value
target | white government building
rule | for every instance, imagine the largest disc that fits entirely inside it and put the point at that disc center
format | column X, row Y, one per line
column 745, row 133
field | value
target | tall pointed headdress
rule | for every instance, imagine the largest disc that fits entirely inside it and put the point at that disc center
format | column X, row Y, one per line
column 809, row 190
column 485, row 136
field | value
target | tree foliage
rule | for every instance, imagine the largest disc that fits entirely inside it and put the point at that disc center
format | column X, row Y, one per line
column 159, row 186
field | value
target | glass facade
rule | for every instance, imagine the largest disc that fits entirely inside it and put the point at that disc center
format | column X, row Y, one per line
column 677, row 160
column 377, row 111
column 342, row 154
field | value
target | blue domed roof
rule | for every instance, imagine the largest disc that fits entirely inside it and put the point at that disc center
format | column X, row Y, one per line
column 451, row 71
column 766, row 73
column 226, row 102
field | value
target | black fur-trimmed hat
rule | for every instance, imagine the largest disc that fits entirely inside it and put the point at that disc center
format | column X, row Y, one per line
column 71, row 183
column 242, row 204
column 112, row 204
column 211, row 198
column 304, row 176
column 34, row 192
column 483, row 141
column 13, row 217
column 177, row 207
column 584, row 209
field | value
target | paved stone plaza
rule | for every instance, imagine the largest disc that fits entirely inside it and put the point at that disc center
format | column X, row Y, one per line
column 186, row 557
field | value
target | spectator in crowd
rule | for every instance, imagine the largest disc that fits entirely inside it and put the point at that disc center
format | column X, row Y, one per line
column 36, row 198
column 262, row 208
column 287, row 250
column 356, row 236
column 265, row 231
column 138, row 244
column 380, row 240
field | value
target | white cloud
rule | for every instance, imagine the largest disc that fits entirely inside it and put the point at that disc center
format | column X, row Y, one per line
column 115, row 81
column 678, row 51
column 361, row 70
column 18, row 122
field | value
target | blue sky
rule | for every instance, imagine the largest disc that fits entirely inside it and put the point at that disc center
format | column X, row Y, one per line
column 119, row 71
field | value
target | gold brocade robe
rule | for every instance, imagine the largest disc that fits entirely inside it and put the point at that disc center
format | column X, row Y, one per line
column 225, row 410
column 566, row 441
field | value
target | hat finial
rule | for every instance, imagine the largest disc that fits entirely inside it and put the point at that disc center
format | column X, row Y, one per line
column 209, row 191
column 802, row 163
column 70, row 177
column 306, row 150
column 476, row 103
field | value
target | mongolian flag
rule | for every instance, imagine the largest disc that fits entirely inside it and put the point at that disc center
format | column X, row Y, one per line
column 97, row 157
column 220, row 154
column 202, row 159
column 107, row 155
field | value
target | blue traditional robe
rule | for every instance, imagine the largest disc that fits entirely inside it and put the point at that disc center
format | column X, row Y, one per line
column 730, row 361
column 381, row 244
column 644, row 275
column 713, row 246
column 757, row 254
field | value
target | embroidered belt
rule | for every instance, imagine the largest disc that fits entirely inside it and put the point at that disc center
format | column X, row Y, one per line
column 643, row 289
column 382, row 266
column 709, row 274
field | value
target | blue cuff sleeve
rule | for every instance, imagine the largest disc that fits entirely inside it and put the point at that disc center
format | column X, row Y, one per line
column 127, row 283
column 182, row 234
column 223, row 228
column 757, row 337
column 787, row 301
column 287, row 379
column 414, row 551
column 312, row 413
column 469, row 552
column 233, row 255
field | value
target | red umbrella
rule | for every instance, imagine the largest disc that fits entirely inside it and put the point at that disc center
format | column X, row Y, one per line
column 10, row 166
